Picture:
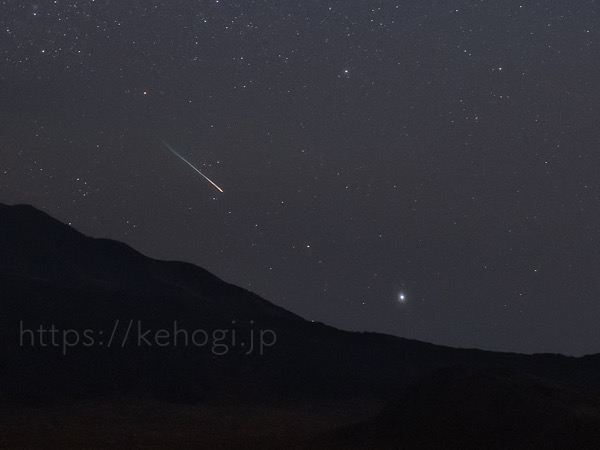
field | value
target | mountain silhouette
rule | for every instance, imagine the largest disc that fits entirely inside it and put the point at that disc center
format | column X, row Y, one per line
column 87, row 318
column 52, row 275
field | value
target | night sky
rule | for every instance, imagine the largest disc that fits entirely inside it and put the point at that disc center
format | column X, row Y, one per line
column 428, row 169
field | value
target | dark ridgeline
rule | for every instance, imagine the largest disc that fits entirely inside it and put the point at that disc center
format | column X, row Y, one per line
column 51, row 274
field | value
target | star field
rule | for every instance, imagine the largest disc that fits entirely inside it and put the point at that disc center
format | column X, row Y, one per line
column 446, row 152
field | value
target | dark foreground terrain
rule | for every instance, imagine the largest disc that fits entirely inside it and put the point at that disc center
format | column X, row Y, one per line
column 136, row 422
column 459, row 409
column 312, row 386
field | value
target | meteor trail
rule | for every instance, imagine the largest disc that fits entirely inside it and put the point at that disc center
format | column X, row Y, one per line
column 191, row 165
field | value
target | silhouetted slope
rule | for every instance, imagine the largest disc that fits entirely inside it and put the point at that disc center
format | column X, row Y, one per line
column 50, row 274
column 53, row 275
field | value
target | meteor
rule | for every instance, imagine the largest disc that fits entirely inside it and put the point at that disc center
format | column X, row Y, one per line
column 191, row 165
